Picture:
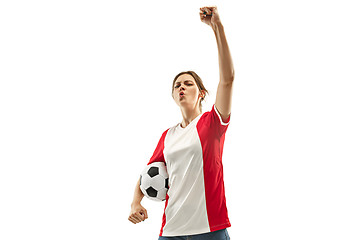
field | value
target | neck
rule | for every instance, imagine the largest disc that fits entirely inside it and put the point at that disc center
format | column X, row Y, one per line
column 189, row 115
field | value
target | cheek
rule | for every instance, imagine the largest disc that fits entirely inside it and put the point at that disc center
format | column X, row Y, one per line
column 195, row 92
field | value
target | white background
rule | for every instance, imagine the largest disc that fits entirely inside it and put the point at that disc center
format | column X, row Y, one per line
column 85, row 95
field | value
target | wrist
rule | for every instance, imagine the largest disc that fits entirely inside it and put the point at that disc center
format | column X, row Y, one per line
column 135, row 203
column 217, row 26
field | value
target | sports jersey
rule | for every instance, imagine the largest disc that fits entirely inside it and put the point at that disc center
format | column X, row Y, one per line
column 195, row 202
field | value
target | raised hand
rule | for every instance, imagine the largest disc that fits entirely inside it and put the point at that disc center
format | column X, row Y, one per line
column 210, row 16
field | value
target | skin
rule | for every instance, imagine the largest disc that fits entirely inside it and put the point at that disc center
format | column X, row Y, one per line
column 226, row 68
column 190, row 103
column 138, row 213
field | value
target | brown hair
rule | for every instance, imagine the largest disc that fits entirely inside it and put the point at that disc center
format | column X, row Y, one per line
column 198, row 81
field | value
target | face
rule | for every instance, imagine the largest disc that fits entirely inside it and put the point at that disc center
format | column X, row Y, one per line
column 191, row 94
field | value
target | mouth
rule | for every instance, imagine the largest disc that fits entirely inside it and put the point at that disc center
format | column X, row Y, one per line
column 181, row 94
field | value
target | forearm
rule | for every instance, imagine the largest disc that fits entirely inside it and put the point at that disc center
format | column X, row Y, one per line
column 225, row 61
column 138, row 195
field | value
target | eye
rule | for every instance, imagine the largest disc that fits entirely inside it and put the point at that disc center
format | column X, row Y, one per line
column 188, row 84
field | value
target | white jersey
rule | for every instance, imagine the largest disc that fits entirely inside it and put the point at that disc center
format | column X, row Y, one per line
column 195, row 202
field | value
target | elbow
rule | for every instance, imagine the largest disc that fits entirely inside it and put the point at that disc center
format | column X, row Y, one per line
column 227, row 77
column 230, row 77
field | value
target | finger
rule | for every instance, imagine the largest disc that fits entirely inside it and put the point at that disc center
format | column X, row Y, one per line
column 212, row 8
column 140, row 217
column 136, row 218
column 143, row 212
column 143, row 215
column 205, row 11
column 204, row 17
column 133, row 220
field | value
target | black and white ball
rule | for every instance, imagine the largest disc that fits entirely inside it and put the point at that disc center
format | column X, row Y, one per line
column 154, row 181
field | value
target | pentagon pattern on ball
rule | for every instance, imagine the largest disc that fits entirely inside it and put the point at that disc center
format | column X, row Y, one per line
column 151, row 192
column 167, row 183
column 153, row 171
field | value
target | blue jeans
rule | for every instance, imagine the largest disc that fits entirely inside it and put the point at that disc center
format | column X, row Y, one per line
column 217, row 235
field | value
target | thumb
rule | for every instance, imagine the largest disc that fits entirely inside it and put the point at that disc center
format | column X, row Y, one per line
column 143, row 215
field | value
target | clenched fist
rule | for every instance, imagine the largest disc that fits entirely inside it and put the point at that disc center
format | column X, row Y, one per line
column 210, row 16
column 138, row 213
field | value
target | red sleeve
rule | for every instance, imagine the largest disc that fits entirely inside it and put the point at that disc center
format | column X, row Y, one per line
column 158, row 155
column 217, row 123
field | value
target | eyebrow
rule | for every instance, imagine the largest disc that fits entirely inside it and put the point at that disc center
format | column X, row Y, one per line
column 184, row 81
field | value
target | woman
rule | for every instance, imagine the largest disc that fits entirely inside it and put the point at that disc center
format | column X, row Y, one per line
column 195, row 206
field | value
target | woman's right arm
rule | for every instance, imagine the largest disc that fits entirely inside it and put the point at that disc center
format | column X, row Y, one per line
column 138, row 213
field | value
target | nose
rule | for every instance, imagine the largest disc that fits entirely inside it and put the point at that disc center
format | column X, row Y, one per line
column 181, row 88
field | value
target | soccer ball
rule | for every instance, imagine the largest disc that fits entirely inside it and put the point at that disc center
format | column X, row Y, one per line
column 154, row 181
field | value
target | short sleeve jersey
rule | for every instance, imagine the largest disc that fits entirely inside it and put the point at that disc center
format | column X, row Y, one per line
column 195, row 202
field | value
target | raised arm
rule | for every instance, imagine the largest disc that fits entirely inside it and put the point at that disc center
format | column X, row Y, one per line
column 210, row 16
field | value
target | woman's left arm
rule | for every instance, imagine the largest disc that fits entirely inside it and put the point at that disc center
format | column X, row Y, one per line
column 210, row 16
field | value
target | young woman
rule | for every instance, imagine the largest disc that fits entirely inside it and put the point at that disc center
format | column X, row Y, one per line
column 195, row 206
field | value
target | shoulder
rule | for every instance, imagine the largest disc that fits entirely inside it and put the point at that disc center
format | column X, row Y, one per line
column 215, row 116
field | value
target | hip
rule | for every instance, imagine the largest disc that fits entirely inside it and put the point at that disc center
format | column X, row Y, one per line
column 216, row 235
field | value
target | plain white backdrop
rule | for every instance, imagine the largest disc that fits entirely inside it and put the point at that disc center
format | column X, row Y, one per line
column 85, row 95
